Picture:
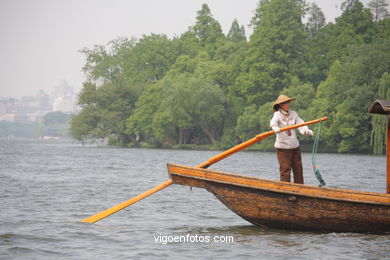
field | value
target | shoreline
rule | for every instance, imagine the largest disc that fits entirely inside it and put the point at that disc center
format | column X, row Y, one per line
column 264, row 147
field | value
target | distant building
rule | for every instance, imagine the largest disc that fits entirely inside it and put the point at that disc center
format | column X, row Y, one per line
column 44, row 101
column 5, row 104
column 64, row 104
column 7, row 117
column 34, row 108
column 27, row 109
column 64, row 98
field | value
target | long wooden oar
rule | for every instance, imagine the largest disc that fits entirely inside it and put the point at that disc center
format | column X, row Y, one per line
column 206, row 164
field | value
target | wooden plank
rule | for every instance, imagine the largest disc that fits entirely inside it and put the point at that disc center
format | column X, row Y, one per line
column 280, row 210
column 278, row 186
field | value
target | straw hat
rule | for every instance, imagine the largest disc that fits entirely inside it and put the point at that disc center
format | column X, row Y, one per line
column 281, row 99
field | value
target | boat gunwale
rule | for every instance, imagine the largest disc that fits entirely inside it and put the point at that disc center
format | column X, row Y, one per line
column 303, row 190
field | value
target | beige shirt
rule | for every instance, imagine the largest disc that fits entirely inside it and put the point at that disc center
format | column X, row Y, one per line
column 282, row 119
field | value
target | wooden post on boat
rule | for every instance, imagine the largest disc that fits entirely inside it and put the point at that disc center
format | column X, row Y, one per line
column 383, row 107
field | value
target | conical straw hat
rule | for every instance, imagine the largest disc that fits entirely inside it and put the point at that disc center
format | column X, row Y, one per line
column 281, row 99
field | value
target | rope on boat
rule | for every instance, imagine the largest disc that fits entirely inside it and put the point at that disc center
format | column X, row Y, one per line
column 314, row 158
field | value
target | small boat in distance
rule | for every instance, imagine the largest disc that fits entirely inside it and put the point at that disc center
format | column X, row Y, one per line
column 295, row 206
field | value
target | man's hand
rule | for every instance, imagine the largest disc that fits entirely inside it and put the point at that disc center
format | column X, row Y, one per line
column 309, row 132
column 276, row 129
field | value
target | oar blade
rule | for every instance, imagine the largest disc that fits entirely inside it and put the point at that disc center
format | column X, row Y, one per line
column 110, row 211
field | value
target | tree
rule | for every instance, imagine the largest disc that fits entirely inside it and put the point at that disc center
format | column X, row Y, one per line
column 236, row 33
column 378, row 132
column 57, row 123
column 150, row 59
column 382, row 31
column 137, row 61
column 305, row 94
column 105, row 110
column 187, row 44
column 228, row 59
column 357, row 19
column 275, row 52
column 203, row 87
column 140, row 122
column 334, row 41
column 84, row 126
column 248, row 124
column 104, row 63
column 57, row 117
column 207, row 30
column 351, row 86
column 379, row 8
column 188, row 104
column 207, row 106
column 316, row 20
column 255, row 21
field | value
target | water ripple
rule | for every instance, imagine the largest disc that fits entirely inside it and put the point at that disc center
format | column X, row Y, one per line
column 48, row 187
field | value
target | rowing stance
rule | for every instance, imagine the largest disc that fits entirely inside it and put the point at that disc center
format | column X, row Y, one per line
column 287, row 146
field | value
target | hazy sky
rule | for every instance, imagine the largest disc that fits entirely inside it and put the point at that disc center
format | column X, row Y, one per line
column 41, row 39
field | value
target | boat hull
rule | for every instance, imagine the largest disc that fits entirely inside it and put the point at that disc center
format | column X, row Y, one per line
column 291, row 206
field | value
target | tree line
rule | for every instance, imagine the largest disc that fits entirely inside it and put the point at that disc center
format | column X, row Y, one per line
column 53, row 124
column 207, row 88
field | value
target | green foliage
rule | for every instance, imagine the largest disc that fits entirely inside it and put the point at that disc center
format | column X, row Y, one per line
column 58, row 122
column 248, row 124
column 208, row 30
column 275, row 52
column 179, row 111
column 150, row 59
column 140, row 123
column 379, row 122
column 202, row 88
column 347, row 93
column 379, row 9
column 105, row 110
column 84, row 126
column 315, row 21
column 335, row 41
column 236, row 33
column 57, row 117
column 255, row 21
column 103, row 63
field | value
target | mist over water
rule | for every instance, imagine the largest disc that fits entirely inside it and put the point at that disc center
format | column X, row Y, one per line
column 47, row 187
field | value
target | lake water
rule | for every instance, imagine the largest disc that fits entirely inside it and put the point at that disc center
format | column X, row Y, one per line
column 47, row 187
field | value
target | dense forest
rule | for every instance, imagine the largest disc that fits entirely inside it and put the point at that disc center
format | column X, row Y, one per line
column 207, row 89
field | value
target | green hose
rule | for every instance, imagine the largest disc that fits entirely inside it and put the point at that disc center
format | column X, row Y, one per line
column 314, row 158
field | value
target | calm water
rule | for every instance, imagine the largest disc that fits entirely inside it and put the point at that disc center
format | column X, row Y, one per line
column 47, row 187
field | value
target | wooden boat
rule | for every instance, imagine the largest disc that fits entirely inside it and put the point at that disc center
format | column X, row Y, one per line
column 295, row 206
column 288, row 205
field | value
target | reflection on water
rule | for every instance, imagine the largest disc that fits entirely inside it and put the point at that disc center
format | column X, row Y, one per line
column 47, row 187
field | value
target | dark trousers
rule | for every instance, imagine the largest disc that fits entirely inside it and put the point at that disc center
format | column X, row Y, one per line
column 290, row 159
